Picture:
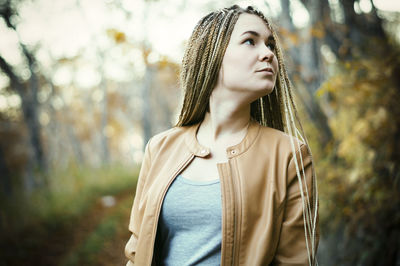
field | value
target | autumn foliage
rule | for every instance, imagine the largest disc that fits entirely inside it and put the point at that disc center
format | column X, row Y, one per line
column 359, row 171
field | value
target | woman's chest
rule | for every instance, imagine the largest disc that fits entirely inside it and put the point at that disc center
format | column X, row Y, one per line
column 201, row 169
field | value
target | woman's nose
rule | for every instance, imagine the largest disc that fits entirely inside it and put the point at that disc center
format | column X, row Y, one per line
column 266, row 54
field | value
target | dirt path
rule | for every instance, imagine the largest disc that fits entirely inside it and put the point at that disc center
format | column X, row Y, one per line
column 113, row 251
column 112, row 246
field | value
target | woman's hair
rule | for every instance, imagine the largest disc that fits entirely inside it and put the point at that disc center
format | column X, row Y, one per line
column 202, row 62
column 200, row 68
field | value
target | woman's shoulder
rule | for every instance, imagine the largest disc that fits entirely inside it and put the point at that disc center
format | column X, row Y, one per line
column 174, row 134
column 283, row 146
column 279, row 139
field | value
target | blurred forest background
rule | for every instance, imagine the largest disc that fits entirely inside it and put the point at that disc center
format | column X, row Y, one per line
column 84, row 84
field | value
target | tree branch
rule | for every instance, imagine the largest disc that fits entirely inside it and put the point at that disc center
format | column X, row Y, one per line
column 8, row 70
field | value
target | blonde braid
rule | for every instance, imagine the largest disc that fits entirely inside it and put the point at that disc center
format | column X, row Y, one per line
column 309, row 220
column 314, row 184
column 200, row 67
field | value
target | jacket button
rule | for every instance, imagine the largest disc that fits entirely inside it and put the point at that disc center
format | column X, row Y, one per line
column 233, row 152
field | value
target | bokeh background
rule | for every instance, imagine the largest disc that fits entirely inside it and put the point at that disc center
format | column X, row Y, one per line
column 85, row 83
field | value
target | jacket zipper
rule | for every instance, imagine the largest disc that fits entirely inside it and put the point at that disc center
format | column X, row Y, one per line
column 188, row 160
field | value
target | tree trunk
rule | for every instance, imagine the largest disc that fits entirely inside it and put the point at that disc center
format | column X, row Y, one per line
column 30, row 116
column 28, row 95
column 5, row 177
column 104, row 122
column 307, row 62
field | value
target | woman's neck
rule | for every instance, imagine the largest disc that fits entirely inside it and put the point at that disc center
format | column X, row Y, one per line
column 225, row 124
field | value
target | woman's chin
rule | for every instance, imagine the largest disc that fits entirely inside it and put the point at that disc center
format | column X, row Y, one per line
column 254, row 92
column 269, row 90
column 264, row 91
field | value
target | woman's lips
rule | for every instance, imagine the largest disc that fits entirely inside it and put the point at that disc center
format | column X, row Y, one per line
column 266, row 69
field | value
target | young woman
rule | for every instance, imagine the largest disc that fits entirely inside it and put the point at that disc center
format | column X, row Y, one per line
column 226, row 185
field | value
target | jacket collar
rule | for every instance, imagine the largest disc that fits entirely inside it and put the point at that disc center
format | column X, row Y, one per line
column 201, row 151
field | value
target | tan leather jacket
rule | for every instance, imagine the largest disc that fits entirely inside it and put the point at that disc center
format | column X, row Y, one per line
column 262, row 215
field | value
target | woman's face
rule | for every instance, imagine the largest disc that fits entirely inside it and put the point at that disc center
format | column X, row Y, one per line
column 249, row 63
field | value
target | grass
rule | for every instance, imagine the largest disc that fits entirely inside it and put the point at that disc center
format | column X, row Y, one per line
column 82, row 187
column 29, row 221
column 69, row 193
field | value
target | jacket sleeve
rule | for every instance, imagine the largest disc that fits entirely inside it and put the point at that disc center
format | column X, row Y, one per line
column 136, row 212
column 292, row 249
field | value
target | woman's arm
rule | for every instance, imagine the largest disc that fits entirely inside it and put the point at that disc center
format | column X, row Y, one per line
column 136, row 214
column 292, row 248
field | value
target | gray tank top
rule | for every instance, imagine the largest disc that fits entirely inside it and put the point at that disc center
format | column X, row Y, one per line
column 189, row 227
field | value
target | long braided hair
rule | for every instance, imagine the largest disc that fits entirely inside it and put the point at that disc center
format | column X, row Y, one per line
column 199, row 73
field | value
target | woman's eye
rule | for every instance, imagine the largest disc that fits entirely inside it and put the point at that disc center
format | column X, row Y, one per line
column 271, row 46
column 249, row 41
